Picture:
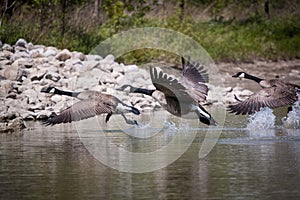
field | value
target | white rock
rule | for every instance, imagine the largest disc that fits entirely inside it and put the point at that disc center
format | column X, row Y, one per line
column 50, row 69
column 38, row 106
column 140, row 81
column 122, row 80
column 50, row 51
column 28, row 115
column 131, row 68
column 5, row 54
column 134, row 100
column 53, row 76
column 62, row 105
column 30, row 46
column 63, row 55
column 43, row 114
column 86, row 84
column 89, row 65
column 145, row 73
column 79, row 67
column 11, row 72
column 78, row 55
column 113, row 66
column 41, row 62
column 56, row 98
column 7, row 47
column 25, row 62
column 31, row 95
column 49, row 108
column 246, row 93
column 38, row 52
column 107, row 79
column 116, row 74
column 90, row 57
column 119, row 68
column 107, row 63
column 71, row 83
column 19, row 55
column 133, row 75
column 5, row 87
column 21, row 42
column 109, row 58
column 228, row 89
column 35, row 54
column 112, row 91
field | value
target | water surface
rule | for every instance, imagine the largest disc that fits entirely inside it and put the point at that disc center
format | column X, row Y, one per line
column 52, row 162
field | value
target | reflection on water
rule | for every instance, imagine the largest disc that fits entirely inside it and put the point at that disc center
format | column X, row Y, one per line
column 52, row 162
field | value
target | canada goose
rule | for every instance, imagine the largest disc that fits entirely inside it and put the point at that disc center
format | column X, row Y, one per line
column 91, row 103
column 179, row 96
column 274, row 94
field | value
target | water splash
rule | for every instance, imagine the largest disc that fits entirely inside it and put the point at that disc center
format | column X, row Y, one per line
column 292, row 120
column 262, row 120
column 170, row 129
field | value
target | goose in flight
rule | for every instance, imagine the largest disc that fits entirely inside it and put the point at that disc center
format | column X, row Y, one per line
column 179, row 96
column 91, row 103
column 274, row 94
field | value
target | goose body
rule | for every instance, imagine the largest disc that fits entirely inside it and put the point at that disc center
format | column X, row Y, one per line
column 274, row 94
column 180, row 96
column 91, row 103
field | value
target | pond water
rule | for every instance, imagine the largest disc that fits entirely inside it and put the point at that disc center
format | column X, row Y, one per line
column 55, row 162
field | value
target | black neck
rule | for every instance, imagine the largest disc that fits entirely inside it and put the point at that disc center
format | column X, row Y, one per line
column 61, row 92
column 254, row 78
column 142, row 91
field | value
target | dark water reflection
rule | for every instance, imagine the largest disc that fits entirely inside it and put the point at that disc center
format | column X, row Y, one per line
column 48, row 163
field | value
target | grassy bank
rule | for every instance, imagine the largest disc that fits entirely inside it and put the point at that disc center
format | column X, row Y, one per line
column 225, row 40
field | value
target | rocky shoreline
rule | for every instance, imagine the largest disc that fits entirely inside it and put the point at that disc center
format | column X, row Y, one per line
column 26, row 68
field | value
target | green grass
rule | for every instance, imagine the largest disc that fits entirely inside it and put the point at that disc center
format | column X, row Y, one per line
column 264, row 40
column 225, row 41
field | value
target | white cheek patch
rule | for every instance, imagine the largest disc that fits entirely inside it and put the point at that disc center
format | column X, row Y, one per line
column 123, row 108
column 52, row 91
column 242, row 75
column 203, row 113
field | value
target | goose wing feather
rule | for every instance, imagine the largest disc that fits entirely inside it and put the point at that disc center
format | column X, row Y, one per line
column 170, row 86
column 193, row 78
column 273, row 97
column 193, row 71
column 81, row 110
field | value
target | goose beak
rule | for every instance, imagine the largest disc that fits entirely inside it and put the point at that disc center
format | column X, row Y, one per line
column 45, row 89
column 235, row 76
column 212, row 122
column 123, row 88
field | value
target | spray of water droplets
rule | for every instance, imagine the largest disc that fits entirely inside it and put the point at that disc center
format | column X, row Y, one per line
column 263, row 119
column 292, row 120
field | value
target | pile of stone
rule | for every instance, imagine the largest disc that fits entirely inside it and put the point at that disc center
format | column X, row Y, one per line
column 26, row 68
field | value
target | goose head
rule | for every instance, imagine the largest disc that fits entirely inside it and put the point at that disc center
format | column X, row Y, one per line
column 208, row 121
column 48, row 89
column 240, row 75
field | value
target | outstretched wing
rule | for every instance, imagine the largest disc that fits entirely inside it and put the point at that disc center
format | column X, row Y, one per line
column 81, row 110
column 273, row 97
column 168, row 85
column 193, row 71
column 193, row 77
